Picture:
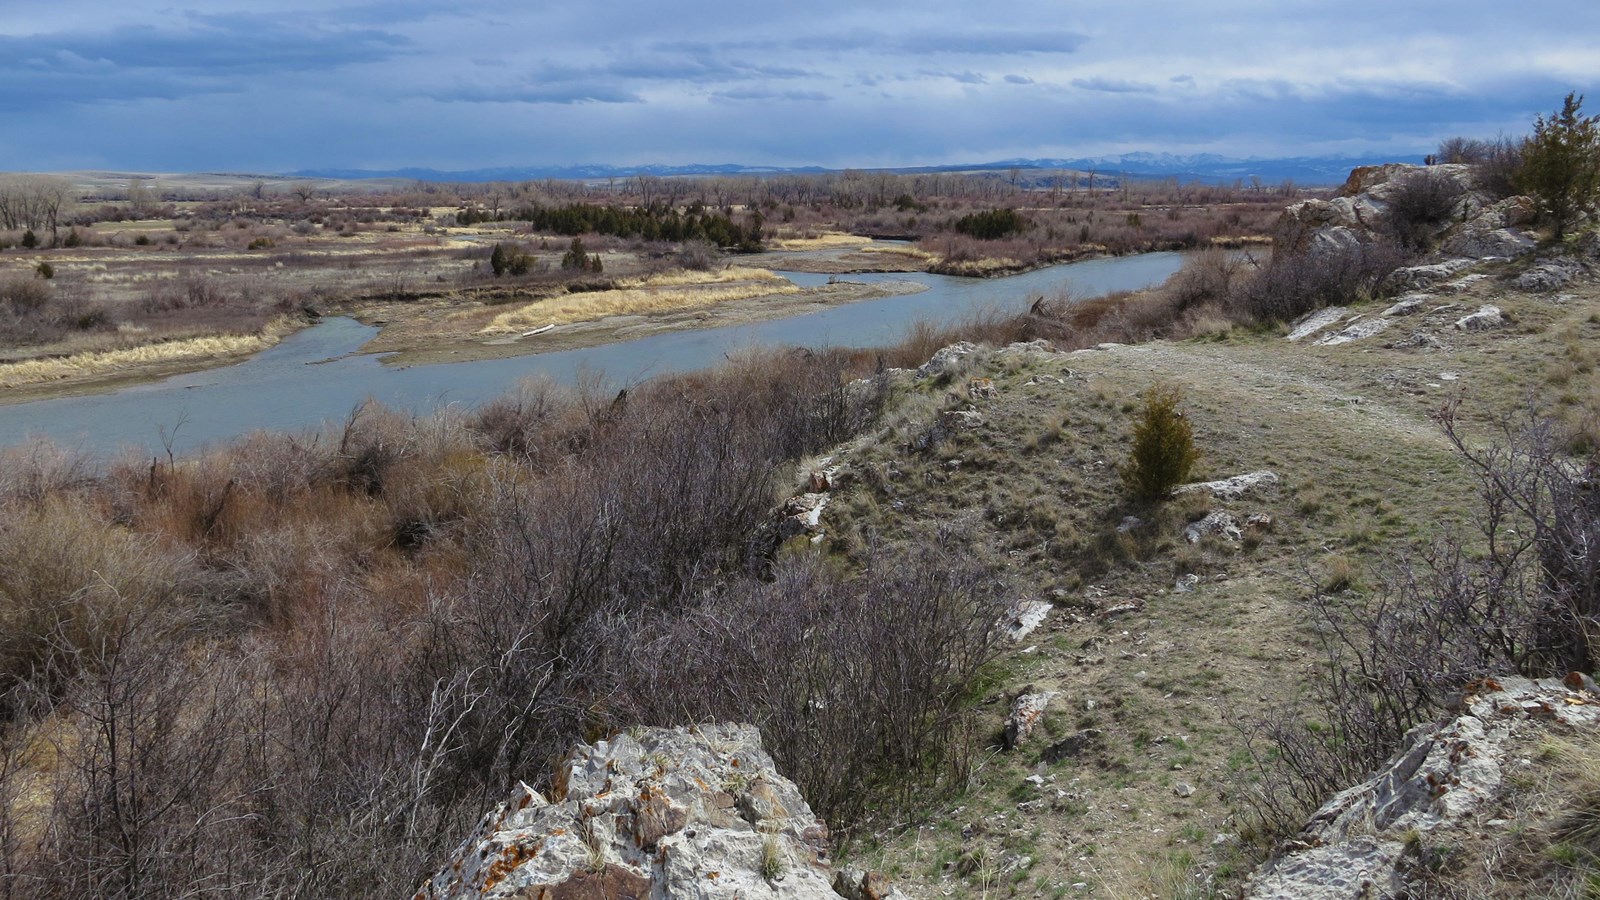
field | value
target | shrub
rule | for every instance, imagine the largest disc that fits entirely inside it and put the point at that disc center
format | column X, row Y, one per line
column 577, row 258
column 1163, row 447
column 1561, row 165
column 20, row 294
column 45, row 270
column 1462, row 150
column 1421, row 203
column 991, row 225
column 1293, row 284
column 509, row 258
column 1207, row 277
column 1501, row 168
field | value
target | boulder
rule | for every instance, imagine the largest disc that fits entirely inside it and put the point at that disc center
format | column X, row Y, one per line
column 1026, row 711
column 960, row 419
column 1481, row 242
column 1405, row 306
column 946, row 359
column 1215, row 522
column 1546, row 277
column 1486, row 318
column 1023, row 618
column 801, row 514
column 683, row 812
column 1040, row 346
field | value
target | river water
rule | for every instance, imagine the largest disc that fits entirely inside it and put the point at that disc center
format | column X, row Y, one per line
column 316, row 377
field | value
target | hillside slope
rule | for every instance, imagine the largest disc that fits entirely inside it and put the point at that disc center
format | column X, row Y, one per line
column 1160, row 653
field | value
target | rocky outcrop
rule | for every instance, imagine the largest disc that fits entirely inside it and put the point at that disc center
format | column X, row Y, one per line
column 1023, row 618
column 1413, row 278
column 1476, row 228
column 696, row 812
column 1355, row 331
column 1231, row 488
column 801, row 514
column 1316, row 321
column 1549, row 276
column 1356, row 845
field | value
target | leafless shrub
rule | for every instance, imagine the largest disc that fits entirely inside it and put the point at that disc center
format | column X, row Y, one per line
column 37, row 470
column 1499, row 170
column 699, row 256
column 32, row 312
column 68, row 580
column 1462, row 150
column 1521, row 596
column 249, row 684
column 186, row 292
column 857, row 683
column 1293, row 284
column 1207, row 277
column 1421, row 204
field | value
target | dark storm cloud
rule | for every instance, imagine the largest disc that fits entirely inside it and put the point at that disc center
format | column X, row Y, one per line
column 285, row 84
column 209, row 55
column 212, row 45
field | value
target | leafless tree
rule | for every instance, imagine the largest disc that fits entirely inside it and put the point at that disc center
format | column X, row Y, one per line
column 35, row 201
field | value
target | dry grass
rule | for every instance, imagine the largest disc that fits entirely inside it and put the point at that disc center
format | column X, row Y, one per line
column 679, row 277
column 669, row 293
column 37, row 371
column 902, row 250
column 827, row 241
column 985, row 267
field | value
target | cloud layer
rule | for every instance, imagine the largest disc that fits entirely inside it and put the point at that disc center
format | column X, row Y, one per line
column 276, row 85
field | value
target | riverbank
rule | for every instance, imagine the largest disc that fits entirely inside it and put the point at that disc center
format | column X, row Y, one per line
column 320, row 374
column 419, row 341
column 436, row 329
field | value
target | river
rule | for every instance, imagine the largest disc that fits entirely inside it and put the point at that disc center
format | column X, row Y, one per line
column 316, row 376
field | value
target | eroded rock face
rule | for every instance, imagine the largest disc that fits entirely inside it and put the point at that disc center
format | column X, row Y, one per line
column 694, row 812
column 1354, row 845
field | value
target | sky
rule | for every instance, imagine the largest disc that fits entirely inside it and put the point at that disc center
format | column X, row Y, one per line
column 269, row 86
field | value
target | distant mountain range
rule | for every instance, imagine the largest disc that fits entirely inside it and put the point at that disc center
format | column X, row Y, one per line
column 1206, row 167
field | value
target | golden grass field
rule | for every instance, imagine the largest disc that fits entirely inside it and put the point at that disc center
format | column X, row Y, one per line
column 668, row 292
column 902, row 250
column 827, row 241
column 105, row 362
